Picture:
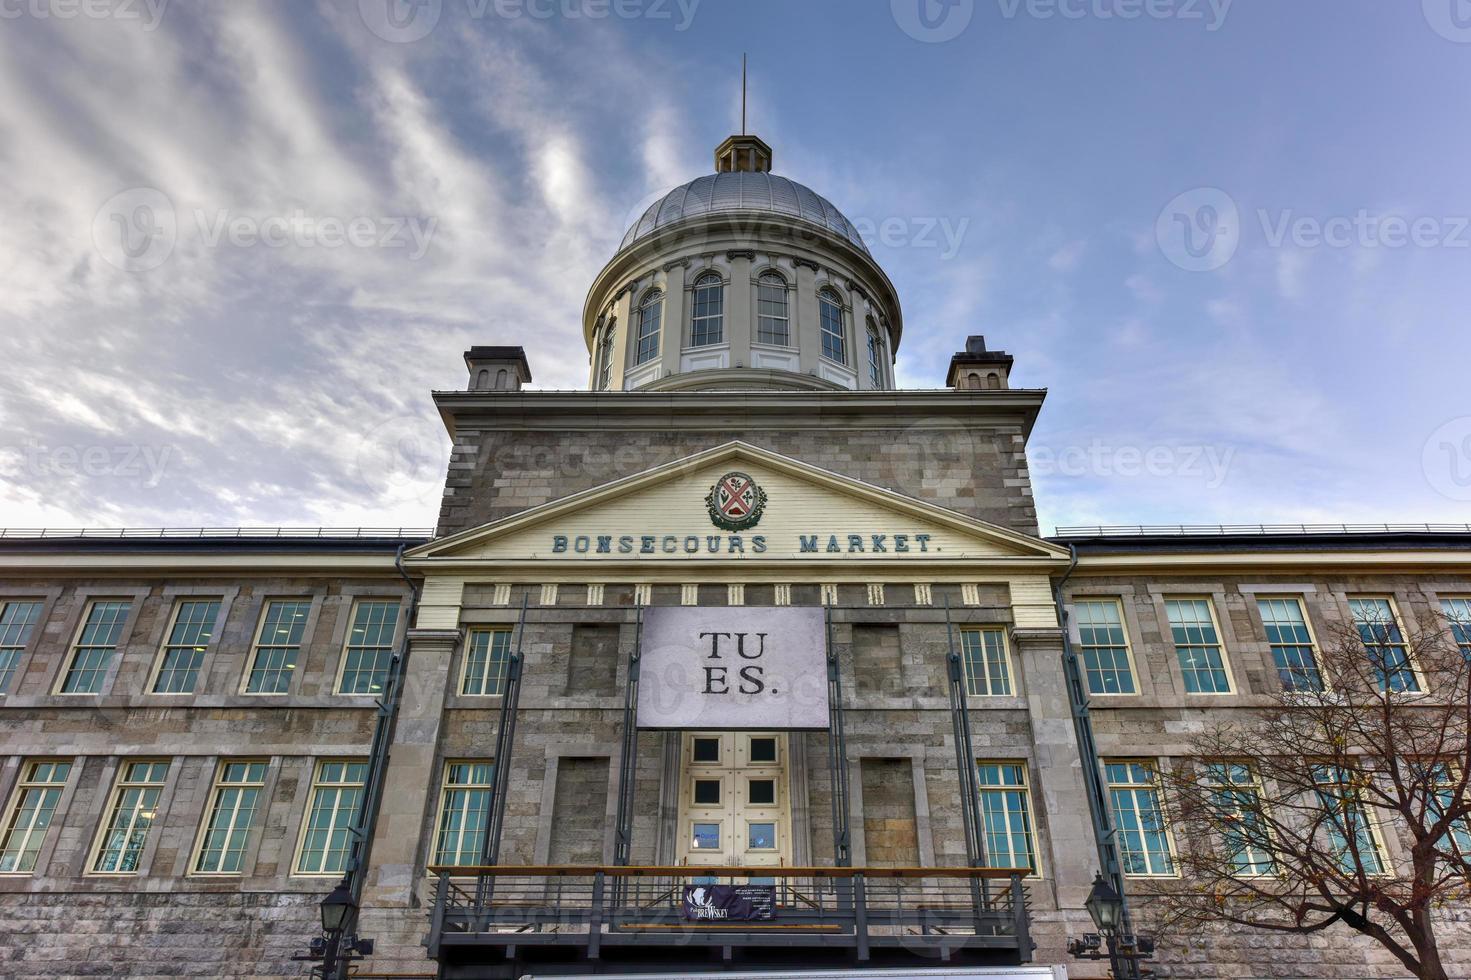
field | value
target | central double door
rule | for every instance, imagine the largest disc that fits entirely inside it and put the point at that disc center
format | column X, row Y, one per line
column 735, row 800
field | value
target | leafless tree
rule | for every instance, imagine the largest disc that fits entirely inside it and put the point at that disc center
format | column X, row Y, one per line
column 1280, row 816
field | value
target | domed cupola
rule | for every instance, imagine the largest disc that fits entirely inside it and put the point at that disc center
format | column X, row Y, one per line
column 742, row 279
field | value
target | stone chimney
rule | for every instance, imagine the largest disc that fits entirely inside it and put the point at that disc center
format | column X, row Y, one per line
column 497, row 368
column 978, row 368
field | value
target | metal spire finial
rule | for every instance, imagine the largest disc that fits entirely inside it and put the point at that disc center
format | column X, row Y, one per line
column 743, row 94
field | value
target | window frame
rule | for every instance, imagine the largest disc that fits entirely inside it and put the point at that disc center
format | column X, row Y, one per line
column 306, row 816
column 217, row 785
column 1129, row 659
column 1302, row 608
column 826, row 296
column 1220, row 644
column 179, row 601
column 74, row 648
column 606, row 337
column 470, row 634
column 445, row 788
column 352, row 617
column 1371, row 823
column 17, row 793
column 25, row 639
column 1025, row 790
column 769, row 279
column 1152, row 765
column 1254, row 785
column 1005, row 660
column 120, row 784
column 708, row 279
column 653, row 297
column 1457, row 625
column 253, row 657
column 1421, row 687
column 875, row 355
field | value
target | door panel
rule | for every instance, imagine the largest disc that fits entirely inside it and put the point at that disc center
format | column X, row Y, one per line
column 735, row 804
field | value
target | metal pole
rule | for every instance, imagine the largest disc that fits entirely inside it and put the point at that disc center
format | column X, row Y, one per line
column 490, row 844
column 965, row 761
column 837, row 754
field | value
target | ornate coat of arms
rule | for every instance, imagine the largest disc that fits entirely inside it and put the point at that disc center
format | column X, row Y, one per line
column 736, row 502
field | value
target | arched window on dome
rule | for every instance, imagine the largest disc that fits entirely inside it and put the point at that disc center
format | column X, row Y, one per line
column 834, row 331
column 773, row 321
column 605, row 354
column 502, row 380
column 993, row 380
column 875, row 355
column 707, row 323
column 973, row 380
column 650, row 317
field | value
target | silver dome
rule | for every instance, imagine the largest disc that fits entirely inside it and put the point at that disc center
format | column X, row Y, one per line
column 742, row 191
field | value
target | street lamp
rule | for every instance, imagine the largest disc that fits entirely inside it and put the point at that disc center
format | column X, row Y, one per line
column 1106, row 908
column 336, row 949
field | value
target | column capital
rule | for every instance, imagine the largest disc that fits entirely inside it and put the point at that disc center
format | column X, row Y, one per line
column 429, row 637
column 1048, row 635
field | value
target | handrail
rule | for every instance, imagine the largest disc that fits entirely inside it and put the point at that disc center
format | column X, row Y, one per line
column 700, row 871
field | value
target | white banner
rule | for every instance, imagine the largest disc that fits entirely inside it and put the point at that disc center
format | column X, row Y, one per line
column 733, row 667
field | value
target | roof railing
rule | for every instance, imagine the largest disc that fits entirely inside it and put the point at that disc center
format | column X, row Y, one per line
column 213, row 533
column 1260, row 530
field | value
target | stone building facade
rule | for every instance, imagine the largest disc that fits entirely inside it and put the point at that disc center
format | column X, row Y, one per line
column 195, row 726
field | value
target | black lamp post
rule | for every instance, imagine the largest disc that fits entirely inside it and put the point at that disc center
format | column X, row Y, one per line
column 336, row 948
column 1106, row 908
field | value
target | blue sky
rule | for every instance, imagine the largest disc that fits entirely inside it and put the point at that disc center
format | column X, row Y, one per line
column 1230, row 238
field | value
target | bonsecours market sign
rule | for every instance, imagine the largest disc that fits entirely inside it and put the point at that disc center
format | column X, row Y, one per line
column 736, row 504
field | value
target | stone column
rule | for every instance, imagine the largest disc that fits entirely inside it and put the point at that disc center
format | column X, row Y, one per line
column 676, row 319
column 1060, row 789
column 410, row 793
column 740, row 319
column 803, row 311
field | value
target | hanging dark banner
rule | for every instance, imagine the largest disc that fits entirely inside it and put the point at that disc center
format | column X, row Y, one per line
column 729, row 903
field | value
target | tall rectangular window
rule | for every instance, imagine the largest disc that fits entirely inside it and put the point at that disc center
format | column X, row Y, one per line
column 1133, row 795
column 369, row 647
column 1292, row 643
column 1444, row 778
column 1384, row 642
column 605, row 355
column 707, row 320
column 96, row 644
column 875, row 364
column 833, row 328
column 31, row 807
column 1350, row 835
column 1006, row 809
column 185, row 646
column 486, row 658
column 987, row 669
column 773, row 324
column 326, row 838
column 130, row 816
column 233, row 805
column 1458, row 613
column 1237, row 796
column 464, row 806
column 1103, row 647
column 277, row 646
column 1198, row 646
column 650, row 315
column 17, row 623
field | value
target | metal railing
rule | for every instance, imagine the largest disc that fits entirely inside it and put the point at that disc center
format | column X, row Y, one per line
column 925, row 911
column 1222, row 530
column 212, row 533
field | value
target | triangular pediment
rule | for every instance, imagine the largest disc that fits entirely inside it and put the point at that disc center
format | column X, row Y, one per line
column 806, row 513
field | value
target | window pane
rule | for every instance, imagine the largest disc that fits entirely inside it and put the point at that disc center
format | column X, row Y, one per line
column 875, row 365
column 707, row 750
column 1346, row 824
column 185, row 647
column 1197, row 646
column 369, row 648
column 761, row 792
column 761, row 836
column 278, row 648
column 463, row 813
column 1292, row 644
column 93, row 653
column 773, row 325
column 987, row 672
column 487, row 659
column 1102, row 647
column 834, row 336
column 36, row 797
column 1144, row 847
column 706, row 836
column 328, row 839
column 650, row 315
column 605, row 355
column 707, row 792
column 17, row 624
column 231, row 815
column 1238, row 799
column 1458, row 613
column 1384, row 644
column 133, row 812
column 763, row 750
column 1007, row 815
column 708, row 320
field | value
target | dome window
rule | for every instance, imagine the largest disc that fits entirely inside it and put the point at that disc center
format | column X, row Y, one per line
column 834, row 332
column 875, row 356
column 605, row 354
column 650, row 319
column 707, row 325
column 773, row 322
